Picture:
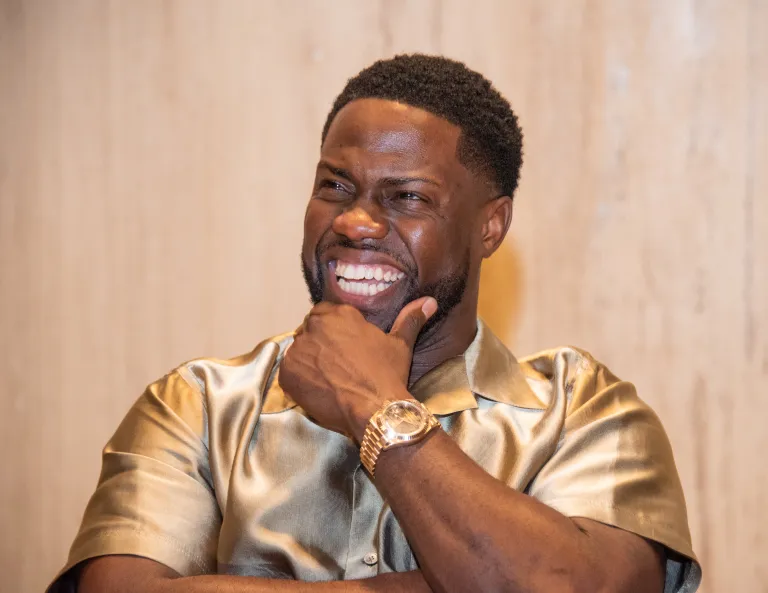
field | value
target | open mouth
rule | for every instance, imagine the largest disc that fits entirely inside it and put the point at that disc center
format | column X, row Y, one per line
column 364, row 279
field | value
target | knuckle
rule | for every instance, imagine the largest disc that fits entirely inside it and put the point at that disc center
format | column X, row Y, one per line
column 412, row 324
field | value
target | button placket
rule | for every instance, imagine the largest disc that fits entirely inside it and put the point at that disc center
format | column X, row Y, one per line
column 363, row 559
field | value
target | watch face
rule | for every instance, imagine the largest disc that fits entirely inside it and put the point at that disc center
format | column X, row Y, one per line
column 404, row 418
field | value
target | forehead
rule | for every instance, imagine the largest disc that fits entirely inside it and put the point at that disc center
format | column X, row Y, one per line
column 381, row 133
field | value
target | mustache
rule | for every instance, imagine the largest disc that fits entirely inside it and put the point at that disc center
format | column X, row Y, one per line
column 364, row 245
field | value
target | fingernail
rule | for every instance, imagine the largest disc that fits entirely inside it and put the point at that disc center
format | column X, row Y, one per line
column 429, row 307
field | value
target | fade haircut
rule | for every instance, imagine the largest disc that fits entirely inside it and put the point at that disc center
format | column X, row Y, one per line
column 491, row 140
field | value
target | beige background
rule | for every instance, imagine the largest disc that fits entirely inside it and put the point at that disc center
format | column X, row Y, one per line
column 155, row 158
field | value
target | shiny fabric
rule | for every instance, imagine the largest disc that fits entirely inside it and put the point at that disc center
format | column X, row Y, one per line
column 215, row 468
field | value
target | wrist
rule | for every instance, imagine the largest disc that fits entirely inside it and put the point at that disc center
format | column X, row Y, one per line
column 362, row 412
column 399, row 423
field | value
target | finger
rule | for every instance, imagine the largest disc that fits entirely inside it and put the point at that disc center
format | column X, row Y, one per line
column 303, row 327
column 323, row 308
column 412, row 318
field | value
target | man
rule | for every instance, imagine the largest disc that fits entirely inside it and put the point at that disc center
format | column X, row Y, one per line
column 392, row 443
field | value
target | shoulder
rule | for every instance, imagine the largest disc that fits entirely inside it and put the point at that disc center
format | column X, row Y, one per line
column 201, row 388
column 562, row 364
column 216, row 374
column 199, row 382
column 577, row 376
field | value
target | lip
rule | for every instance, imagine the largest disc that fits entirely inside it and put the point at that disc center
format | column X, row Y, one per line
column 363, row 257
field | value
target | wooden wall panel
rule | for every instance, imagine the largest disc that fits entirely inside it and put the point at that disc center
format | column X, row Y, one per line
column 156, row 156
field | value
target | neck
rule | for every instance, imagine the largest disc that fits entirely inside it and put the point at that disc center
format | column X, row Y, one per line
column 448, row 339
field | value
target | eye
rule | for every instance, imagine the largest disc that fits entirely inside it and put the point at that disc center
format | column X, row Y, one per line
column 332, row 185
column 409, row 196
column 332, row 191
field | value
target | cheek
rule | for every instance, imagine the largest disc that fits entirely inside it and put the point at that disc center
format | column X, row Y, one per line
column 317, row 220
column 438, row 249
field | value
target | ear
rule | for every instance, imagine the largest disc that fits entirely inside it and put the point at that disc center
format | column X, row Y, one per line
column 497, row 215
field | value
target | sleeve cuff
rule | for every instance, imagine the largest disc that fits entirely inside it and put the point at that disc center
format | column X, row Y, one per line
column 683, row 574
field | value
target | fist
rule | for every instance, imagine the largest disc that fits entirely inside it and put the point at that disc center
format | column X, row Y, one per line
column 340, row 369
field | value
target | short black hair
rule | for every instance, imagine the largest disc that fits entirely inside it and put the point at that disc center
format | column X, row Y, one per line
column 491, row 139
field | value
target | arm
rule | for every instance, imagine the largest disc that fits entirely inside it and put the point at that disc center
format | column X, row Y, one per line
column 469, row 531
column 485, row 536
column 132, row 574
column 154, row 516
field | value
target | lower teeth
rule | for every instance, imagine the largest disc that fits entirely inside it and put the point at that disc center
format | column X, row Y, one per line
column 362, row 288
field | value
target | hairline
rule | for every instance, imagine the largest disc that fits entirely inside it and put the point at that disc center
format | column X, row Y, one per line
column 465, row 144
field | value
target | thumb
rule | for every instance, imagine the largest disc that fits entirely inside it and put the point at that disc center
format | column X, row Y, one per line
column 412, row 318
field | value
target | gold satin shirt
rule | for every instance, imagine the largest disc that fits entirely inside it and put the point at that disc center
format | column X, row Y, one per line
column 215, row 469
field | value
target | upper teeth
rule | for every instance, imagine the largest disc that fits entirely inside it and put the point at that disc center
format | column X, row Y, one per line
column 360, row 272
column 350, row 274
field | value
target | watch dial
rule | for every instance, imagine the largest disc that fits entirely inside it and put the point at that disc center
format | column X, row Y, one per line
column 404, row 418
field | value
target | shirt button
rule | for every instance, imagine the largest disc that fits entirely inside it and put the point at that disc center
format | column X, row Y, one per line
column 370, row 559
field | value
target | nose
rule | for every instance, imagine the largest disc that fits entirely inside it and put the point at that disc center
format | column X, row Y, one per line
column 358, row 223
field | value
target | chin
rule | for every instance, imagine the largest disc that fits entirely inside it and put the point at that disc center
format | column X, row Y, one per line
column 384, row 320
column 380, row 317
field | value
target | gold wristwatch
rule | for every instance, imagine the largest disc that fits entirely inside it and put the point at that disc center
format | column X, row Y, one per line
column 398, row 423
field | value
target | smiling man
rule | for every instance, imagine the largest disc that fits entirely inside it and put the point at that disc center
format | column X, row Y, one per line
column 392, row 443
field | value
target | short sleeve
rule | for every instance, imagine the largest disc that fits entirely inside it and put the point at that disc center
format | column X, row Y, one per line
column 614, row 464
column 154, row 497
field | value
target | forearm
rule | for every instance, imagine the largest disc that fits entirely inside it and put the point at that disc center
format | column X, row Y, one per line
column 132, row 574
column 407, row 582
column 470, row 532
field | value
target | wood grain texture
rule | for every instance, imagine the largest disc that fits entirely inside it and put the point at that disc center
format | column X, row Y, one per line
column 156, row 157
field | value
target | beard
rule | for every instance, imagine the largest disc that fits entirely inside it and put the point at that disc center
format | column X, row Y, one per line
column 448, row 292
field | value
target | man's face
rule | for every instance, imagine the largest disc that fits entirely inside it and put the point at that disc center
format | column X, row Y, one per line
column 393, row 214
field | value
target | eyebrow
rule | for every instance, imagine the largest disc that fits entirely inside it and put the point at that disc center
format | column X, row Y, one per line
column 389, row 181
column 343, row 173
column 405, row 180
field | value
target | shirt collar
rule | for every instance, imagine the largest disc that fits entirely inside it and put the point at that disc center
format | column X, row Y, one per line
column 487, row 369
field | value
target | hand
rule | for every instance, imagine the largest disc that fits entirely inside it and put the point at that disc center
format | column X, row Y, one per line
column 340, row 369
